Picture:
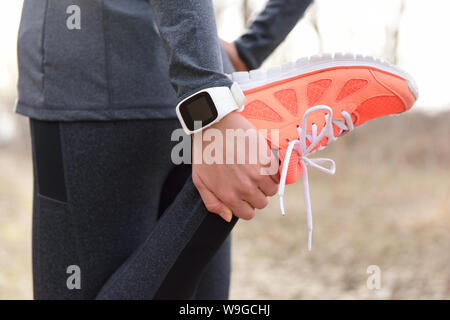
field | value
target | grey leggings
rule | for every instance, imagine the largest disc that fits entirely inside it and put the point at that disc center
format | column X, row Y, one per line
column 109, row 202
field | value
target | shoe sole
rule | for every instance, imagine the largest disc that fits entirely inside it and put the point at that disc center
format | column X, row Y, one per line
column 257, row 78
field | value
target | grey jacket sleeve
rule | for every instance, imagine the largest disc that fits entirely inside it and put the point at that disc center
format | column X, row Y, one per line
column 189, row 34
column 269, row 29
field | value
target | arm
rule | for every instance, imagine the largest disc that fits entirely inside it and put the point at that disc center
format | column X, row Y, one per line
column 175, row 254
column 189, row 35
column 269, row 29
column 188, row 31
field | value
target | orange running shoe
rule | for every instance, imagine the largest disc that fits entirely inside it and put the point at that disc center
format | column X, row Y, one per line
column 314, row 101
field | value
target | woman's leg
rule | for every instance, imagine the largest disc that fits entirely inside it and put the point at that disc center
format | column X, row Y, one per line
column 215, row 280
column 102, row 217
column 97, row 196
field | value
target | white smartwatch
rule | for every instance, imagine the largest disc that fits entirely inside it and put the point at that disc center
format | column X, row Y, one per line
column 208, row 106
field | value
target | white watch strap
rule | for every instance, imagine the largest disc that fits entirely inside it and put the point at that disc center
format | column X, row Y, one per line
column 238, row 96
column 226, row 100
column 223, row 101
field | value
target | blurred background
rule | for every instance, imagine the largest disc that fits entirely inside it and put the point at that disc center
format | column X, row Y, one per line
column 387, row 205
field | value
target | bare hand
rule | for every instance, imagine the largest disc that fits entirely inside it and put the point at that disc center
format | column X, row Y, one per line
column 239, row 187
column 233, row 54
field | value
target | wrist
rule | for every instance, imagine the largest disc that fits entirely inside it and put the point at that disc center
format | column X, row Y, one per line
column 237, row 61
column 208, row 106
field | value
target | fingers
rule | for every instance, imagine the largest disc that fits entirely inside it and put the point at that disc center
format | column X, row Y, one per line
column 268, row 186
column 227, row 214
column 275, row 178
column 212, row 203
column 256, row 198
column 242, row 209
column 269, row 164
column 267, row 183
column 234, row 205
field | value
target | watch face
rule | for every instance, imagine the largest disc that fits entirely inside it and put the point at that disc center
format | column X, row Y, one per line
column 198, row 108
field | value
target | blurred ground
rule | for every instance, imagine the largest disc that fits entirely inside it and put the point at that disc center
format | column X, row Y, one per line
column 387, row 205
column 15, row 217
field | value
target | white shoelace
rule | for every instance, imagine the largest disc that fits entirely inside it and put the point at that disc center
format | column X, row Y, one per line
column 304, row 151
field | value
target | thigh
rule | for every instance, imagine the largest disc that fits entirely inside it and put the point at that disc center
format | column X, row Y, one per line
column 215, row 282
column 98, row 186
column 202, row 271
